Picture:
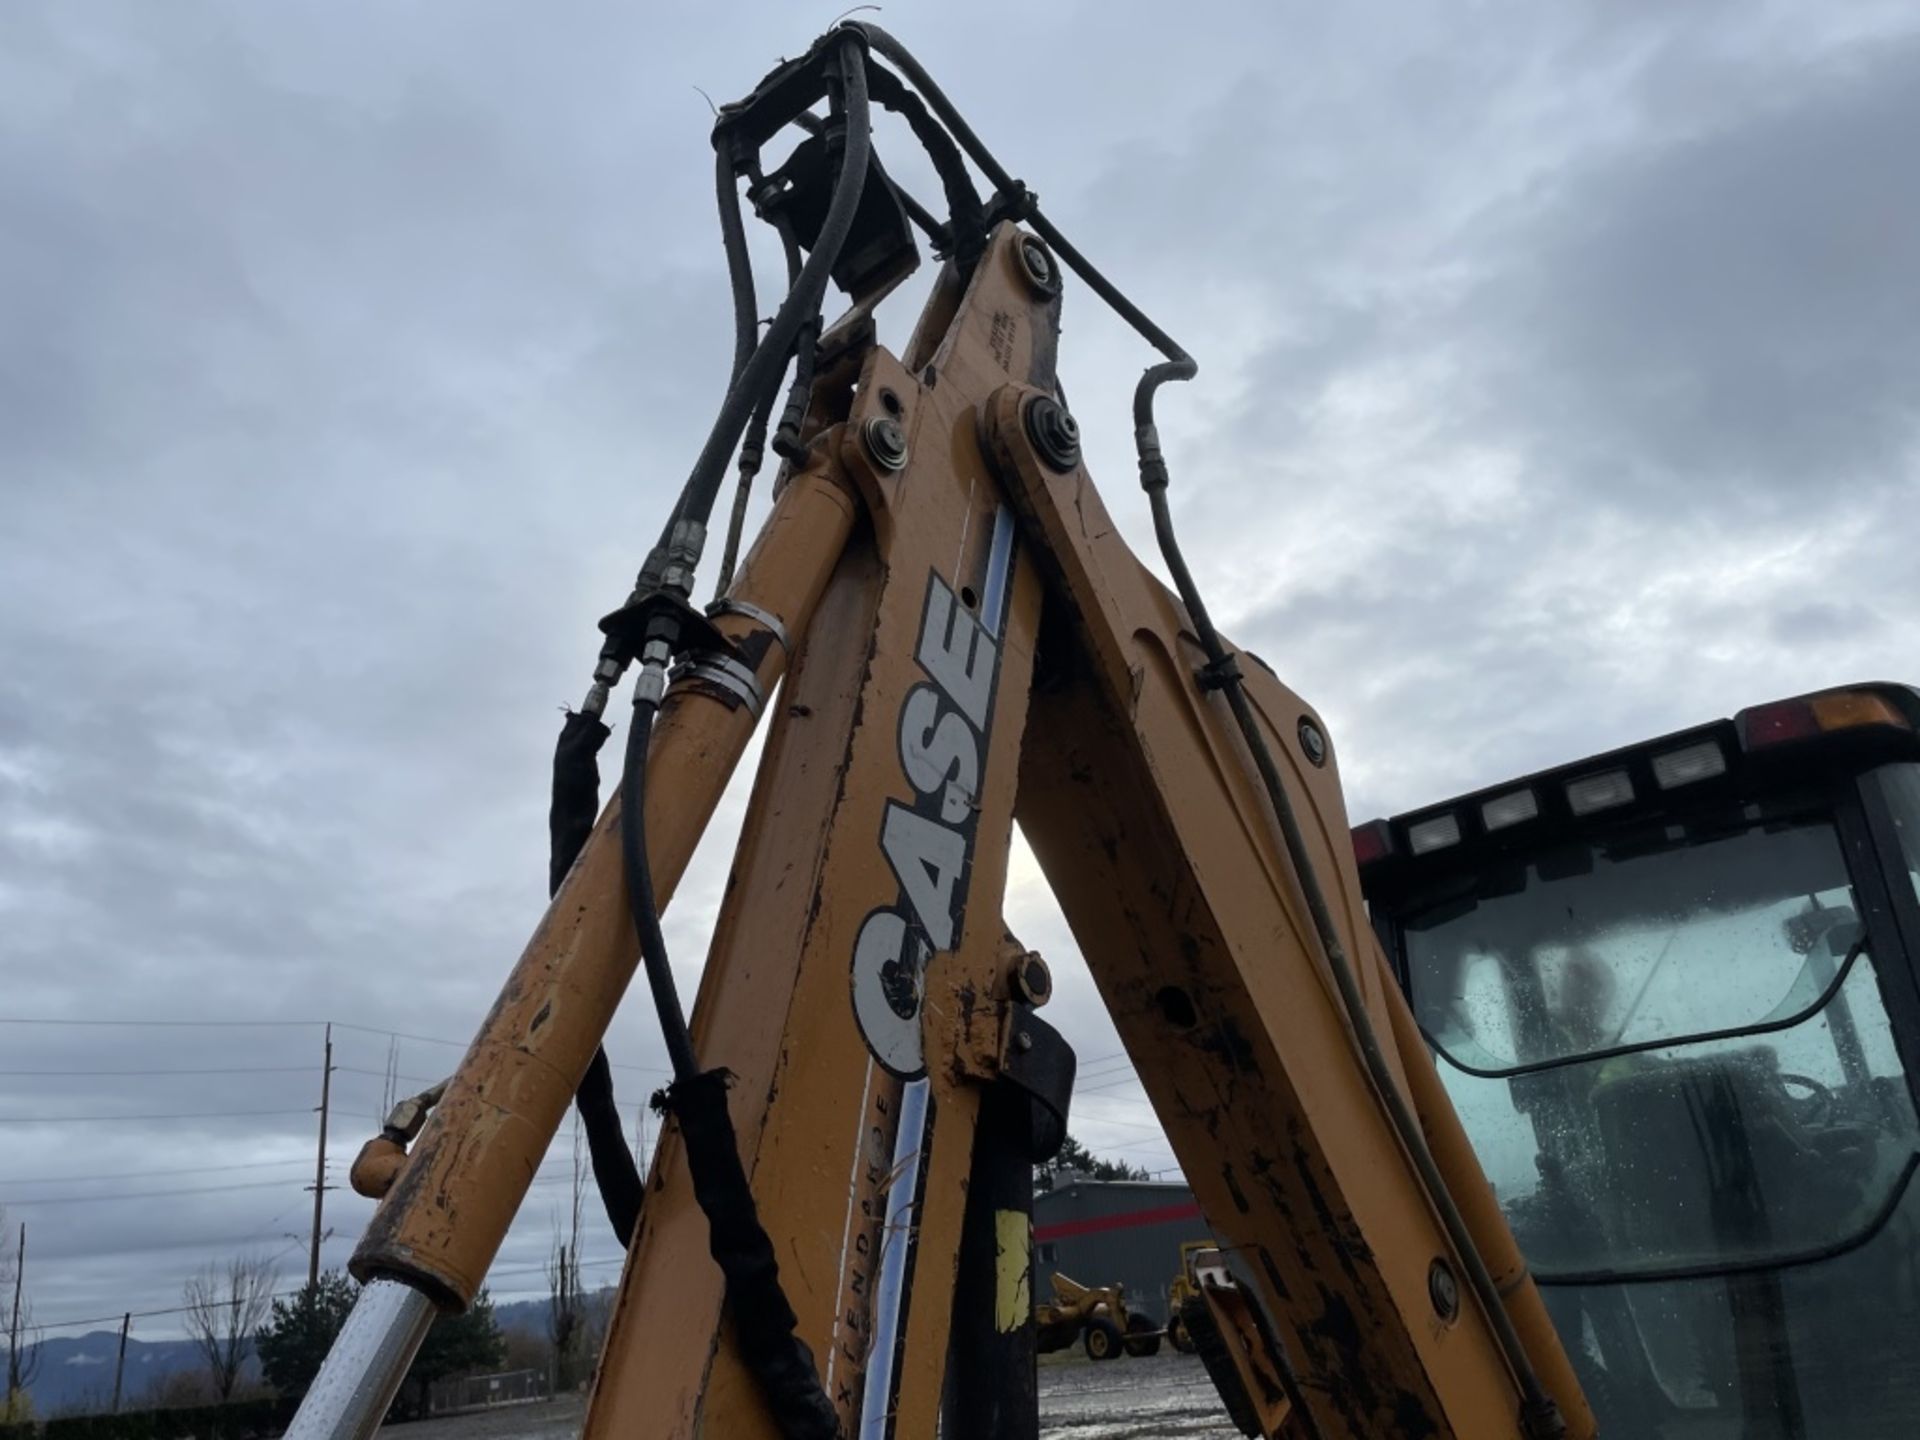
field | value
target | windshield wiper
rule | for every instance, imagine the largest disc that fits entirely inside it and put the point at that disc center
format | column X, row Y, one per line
column 1639, row 1047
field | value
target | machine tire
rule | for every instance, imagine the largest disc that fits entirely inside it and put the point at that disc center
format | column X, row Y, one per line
column 1143, row 1338
column 1197, row 1320
column 1178, row 1335
column 1102, row 1339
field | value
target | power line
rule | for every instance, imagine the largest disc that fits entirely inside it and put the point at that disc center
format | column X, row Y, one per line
column 183, row 1115
column 1117, row 1084
column 333, row 1158
column 382, row 1074
column 156, row 1024
column 395, row 1034
column 151, row 1174
column 152, row 1194
column 68, row 1020
column 1123, row 1124
column 220, row 1070
column 1139, row 1145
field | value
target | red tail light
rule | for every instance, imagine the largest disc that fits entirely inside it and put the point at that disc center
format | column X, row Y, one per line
column 1372, row 842
column 1776, row 724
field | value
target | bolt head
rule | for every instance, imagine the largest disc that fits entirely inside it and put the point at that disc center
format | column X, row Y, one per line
column 1055, row 434
column 886, row 442
column 1443, row 1290
column 1036, row 262
column 1313, row 743
column 1031, row 979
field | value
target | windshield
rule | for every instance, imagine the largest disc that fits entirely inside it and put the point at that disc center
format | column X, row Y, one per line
column 1669, row 1047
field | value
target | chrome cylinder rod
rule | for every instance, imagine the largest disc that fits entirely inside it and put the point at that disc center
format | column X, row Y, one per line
column 369, row 1359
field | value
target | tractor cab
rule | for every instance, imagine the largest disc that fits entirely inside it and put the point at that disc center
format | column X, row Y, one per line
column 1671, row 991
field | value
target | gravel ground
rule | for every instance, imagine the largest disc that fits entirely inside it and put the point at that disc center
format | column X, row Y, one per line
column 1167, row 1395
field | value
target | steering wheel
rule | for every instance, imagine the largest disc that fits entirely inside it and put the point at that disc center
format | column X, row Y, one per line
column 1818, row 1103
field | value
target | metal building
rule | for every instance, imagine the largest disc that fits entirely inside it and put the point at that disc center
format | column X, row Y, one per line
column 1102, row 1231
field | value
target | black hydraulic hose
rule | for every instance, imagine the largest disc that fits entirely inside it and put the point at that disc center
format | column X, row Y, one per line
column 640, row 898
column 616, row 1174
column 733, row 239
column 753, row 449
column 967, row 216
column 752, row 452
column 763, row 1319
column 1539, row 1413
column 1178, row 365
column 746, row 324
column 575, row 804
column 902, row 58
column 786, row 435
column 769, row 357
column 786, row 438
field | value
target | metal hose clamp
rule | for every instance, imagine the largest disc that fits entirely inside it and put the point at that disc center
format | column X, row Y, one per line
column 725, row 673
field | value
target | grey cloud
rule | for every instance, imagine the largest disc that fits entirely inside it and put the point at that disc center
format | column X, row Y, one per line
column 1819, row 621
column 1730, row 317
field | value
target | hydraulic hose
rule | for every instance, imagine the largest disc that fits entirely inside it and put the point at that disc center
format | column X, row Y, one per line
column 746, row 324
column 767, row 359
column 1540, row 1416
column 753, row 452
column 763, row 1320
column 786, row 435
column 640, row 897
column 576, row 803
column 733, row 239
column 753, row 449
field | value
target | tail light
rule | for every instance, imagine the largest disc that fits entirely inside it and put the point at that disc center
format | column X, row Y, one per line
column 1372, row 842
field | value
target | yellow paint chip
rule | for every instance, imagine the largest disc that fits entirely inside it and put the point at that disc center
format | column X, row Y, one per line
column 1013, row 1270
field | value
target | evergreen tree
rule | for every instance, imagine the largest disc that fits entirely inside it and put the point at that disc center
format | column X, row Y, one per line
column 466, row 1344
column 296, row 1338
column 295, row 1341
column 1075, row 1156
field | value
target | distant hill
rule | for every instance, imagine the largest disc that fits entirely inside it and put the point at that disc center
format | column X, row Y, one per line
column 529, row 1317
column 525, row 1317
column 76, row 1372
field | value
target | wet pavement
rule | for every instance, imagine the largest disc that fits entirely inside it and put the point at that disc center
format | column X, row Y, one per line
column 1166, row 1395
column 1131, row 1399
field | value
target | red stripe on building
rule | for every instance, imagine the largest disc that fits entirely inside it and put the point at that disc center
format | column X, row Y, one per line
column 1127, row 1221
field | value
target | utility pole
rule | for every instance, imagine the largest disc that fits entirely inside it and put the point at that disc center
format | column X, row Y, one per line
column 320, row 1163
column 120, row 1365
column 13, row 1330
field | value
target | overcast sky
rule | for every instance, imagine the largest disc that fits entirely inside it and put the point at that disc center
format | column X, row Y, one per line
column 1556, row 391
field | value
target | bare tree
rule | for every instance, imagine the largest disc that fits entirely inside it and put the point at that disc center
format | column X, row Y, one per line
column 225, row 1305
column 23, row 1349
column 565, row 1315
